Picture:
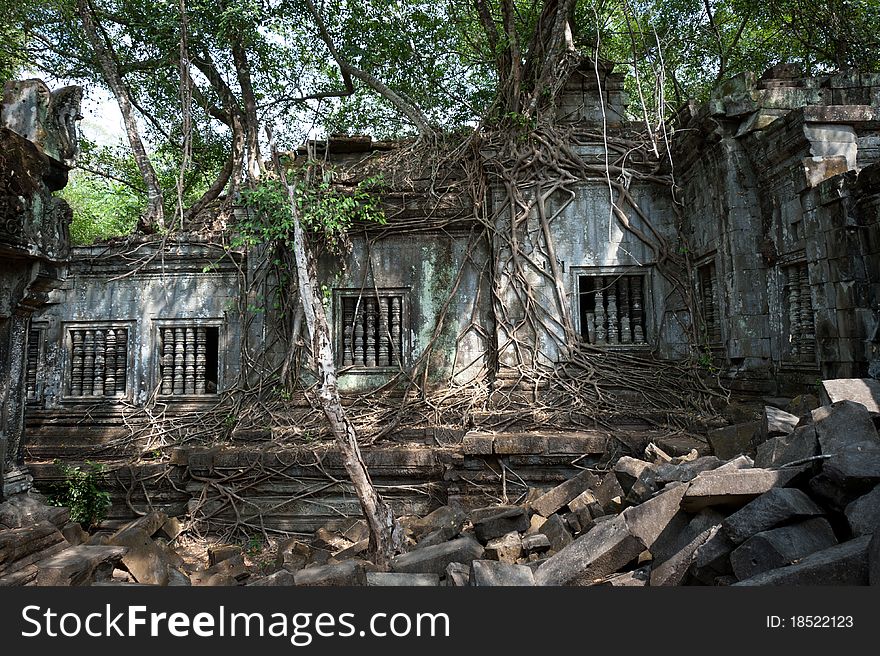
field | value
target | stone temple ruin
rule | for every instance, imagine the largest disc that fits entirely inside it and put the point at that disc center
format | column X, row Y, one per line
column 760, row 263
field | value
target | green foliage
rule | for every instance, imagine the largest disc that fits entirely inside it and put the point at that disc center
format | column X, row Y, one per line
column 83, row 491
column 102, row 208
column 324, row 209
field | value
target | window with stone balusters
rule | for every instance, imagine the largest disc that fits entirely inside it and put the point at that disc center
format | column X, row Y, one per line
column 612, row 309
column 188, row 359
column 98, row 359
column 799, row 339
column 371, row 329
column 707, row 294
column 34, row 363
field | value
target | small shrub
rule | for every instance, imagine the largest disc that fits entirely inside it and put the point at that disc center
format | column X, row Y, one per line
column 82, row 491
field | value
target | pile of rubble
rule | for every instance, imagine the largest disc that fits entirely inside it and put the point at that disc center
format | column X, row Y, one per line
column 801, row 508
column 803, row 511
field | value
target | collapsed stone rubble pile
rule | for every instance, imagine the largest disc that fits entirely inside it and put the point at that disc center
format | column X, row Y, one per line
column 801, row 506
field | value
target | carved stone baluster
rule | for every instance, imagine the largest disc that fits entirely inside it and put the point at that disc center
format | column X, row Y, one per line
column 396, row 332
column 33, row 360
column 347, row 332
column 167, row 361
column 110, row 363
column 794, row 312
column 359, row 334
column 384, row 358
column 121, row 359
column 76, row 366
column 808, row 337
column 88, row 362
column 179, row 358
column 623, row 295
column 600, row 310
column 611, row 294
column 370, row 347
column 589, row 330
column 189, row 370
column 201, row 359
column 638, row 312
column 98, row 379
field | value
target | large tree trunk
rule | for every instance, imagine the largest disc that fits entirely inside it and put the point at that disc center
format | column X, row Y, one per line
column 243, row 72
column 155, row 214
column 385, row 534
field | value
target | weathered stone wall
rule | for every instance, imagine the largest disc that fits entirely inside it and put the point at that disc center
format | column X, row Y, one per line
column 769, row 171
column 37, row 148
column 443, row 280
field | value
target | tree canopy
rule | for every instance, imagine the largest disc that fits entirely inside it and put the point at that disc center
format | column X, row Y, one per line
column 198, row 81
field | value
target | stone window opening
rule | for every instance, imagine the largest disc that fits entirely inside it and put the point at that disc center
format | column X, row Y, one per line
column 799, row 344
column 612, row 309
column 370, row 329
column 189, row 359
column 98, row 362
column 707, row 293
column 35, row 359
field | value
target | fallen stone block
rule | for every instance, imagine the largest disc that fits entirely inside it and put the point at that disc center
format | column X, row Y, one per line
column 863, row 514
column 644, row 487
column 648, row 521
column 680, row 531
column 149, row 524
column 330, row 539
column 495, row 521
column 802, row 405
column 627, row 470
column 554, row 499
column 798, row 446
column 402, row 579
column 458, row 575
column 864, row 391
column 221, row 552
column 354, row 550
column 741, row 461
column 293, row 554
column 712, row 558
column 80, row 565
column 610, row 494
column 847, row 475
column 22, row 510
column 147, row 561
column 842, row 564
column 281, row 578
column 74, row 533
column 776, row 422
column 686, row 471
column 446, row 519
column 507, row 548
column 673, row 570
column 229, row 572
column 171, row 529
column 780, row 546
column 612, row 543
column 843, row 424
column 732, row 488
column 730, row 441
column 637, row 578
column 537, row 543
column 177, row 578
column 349, row 572
column 494, row 573
column 774, row 507
column 359, row 530
column 602, row 551
column 556, row 531
column 435, row 559
column 535, row 524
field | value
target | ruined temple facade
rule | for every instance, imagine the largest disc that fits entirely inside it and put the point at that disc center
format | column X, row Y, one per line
column 38, row 144
column 776, row 204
